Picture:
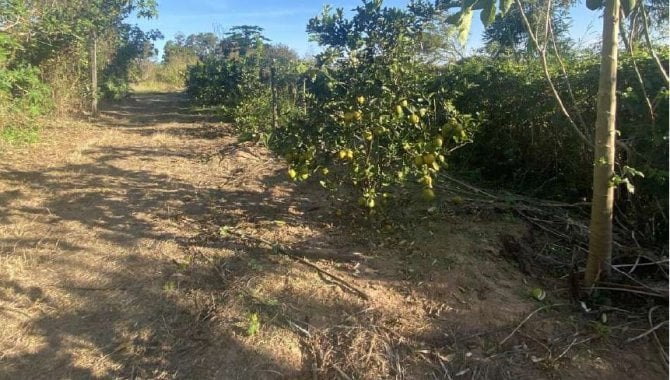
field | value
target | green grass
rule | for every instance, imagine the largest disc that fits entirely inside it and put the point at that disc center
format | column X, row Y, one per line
column 25, row 135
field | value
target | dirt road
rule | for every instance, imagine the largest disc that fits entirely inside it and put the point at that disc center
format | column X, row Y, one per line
column 112, row 265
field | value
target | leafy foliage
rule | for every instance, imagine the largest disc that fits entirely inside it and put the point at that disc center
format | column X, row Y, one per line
column 377, row 110
column 370, row 114
column 532, row 150
column 238, row 76
column 44, row 52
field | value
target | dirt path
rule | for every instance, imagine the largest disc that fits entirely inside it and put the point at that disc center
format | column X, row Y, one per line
column 112, row 266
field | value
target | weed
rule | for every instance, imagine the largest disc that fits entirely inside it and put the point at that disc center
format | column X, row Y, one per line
column 254, row 324
column 170, row 286
column 19, row 135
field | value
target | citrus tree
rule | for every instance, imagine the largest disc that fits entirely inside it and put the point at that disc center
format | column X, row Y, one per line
column 370, row 114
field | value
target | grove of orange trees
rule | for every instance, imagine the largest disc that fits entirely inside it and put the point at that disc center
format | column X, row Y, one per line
column 375, row 110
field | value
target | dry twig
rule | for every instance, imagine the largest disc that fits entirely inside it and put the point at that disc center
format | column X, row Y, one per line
column 286, row 251
column 528, row 318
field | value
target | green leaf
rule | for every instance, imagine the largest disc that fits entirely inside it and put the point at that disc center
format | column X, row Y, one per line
column 224, row 231
column 454, row 19
column 632, row 172
column 464, row 26
column 628, row 6
column 505, row 5
column 254, row 324
column 629, row 186
column 488, row 14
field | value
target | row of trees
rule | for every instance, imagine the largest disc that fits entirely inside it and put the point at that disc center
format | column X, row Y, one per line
column 389, row 101
column 47, row 51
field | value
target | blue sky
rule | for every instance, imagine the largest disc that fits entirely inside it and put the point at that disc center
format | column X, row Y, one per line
column 285, row 21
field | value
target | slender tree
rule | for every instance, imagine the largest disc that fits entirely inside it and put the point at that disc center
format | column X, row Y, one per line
column 600, row 237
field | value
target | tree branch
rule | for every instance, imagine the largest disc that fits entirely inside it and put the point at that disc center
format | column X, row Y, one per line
column 547, row 75
column 651, row 46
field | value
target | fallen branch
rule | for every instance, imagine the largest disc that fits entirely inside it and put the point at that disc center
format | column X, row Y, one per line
column 628, row 290
column 528, row 318
column 659, row 345
column 470, row 187
column 278, row 248
column 651, row 330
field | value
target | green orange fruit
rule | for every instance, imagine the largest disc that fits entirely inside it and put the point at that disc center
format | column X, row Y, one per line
column 398, row 111
column 418, row 161
column 428, row 158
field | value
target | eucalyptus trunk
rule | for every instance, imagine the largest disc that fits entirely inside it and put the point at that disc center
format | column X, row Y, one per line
column 598, row 266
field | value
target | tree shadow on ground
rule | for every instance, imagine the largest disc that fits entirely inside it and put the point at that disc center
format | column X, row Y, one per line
column 112, row 305
column 142, row 284
column 150, row 109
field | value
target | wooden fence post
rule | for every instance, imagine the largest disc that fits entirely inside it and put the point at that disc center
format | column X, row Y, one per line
column 94, row 74
column 273, row 90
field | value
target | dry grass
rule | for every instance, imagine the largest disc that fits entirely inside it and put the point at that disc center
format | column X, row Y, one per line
column 153, row 87
column 112, row 266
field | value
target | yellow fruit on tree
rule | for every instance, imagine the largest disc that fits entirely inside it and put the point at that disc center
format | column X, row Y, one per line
column 348, row 116
column 342, row 154
column 438, row 141
column 360, row 100
column 350, row 154
column 414, row 119
column 428, row 158
column 423, row 112
column 292, row 173
column 428, row 181
column 304, row 174
column 358, row 115
column 418, row 161
column 404, row 103
column 325, row 171
column 398, row 111
column 367, row 135
column 370, row 203
column 428, row 195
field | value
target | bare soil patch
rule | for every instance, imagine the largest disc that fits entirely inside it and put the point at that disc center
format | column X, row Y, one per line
column 113, row 265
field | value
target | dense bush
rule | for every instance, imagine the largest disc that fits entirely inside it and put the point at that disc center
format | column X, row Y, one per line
column 23, row 95
column 239, row 74
column 526, row 145
column 45, row 53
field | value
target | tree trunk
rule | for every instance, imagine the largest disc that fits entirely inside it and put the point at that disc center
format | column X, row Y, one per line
column 94, row 75
column 600, row 236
